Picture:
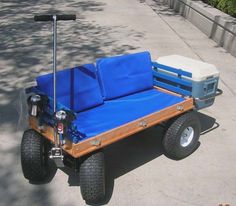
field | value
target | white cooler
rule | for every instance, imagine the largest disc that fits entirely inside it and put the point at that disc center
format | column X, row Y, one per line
column 204, row 78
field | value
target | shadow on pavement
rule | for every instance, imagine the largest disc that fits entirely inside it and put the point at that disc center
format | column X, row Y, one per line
column 135, row 151
column 51, row 173
column 125, row 156
column 207, row 123
column 13, row 186
column 26, row 46
column 131, row 153
column 25, row 52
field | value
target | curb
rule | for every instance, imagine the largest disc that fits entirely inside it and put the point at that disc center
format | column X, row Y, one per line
column 215, row 24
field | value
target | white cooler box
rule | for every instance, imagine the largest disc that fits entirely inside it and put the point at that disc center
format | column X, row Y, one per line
column 202, row 77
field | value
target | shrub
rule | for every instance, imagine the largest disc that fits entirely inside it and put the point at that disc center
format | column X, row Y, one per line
column 213, row 2
column 227, row 6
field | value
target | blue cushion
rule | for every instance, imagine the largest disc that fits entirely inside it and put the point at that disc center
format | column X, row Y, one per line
column 116, row 112
column 124, row 75
column 77, row 88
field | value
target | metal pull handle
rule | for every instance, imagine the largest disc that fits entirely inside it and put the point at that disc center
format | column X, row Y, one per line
column 54, row 19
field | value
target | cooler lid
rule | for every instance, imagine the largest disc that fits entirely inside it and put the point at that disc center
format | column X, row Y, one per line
column 200, row 70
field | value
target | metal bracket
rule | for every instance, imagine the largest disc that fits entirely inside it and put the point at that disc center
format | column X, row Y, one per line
column 143, row 123
column 57, row 156
column 41, row 128
column 96, row 142
column 180, row 107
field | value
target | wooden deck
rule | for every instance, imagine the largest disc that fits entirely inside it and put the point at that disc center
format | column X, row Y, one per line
column 119, row 133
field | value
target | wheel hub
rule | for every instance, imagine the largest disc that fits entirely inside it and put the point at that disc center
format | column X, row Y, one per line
column 186, row 137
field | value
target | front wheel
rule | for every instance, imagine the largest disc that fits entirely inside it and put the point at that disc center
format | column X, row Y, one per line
column 92, row 178
column 34, row 156
column 182, row 135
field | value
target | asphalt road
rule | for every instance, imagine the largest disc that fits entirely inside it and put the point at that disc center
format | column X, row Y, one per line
column 139, row 173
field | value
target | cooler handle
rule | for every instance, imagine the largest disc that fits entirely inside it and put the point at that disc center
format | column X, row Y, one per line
column 218, row 93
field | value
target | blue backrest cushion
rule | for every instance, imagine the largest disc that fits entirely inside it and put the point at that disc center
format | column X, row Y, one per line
column 77, row 88
column 124, row 75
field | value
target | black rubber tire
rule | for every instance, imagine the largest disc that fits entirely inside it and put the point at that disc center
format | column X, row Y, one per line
column 171, row 140
column 92, row 178
column 34, row 156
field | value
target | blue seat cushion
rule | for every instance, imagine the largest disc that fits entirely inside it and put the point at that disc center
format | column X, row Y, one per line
column 124, row 75
column 116, row 112
column 77, row 88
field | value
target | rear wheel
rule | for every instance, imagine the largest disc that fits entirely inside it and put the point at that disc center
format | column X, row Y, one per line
column 92, row 178
column 34, row 156
column 182, row 135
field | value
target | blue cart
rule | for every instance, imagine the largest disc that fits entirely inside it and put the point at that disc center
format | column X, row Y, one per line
column 76, row 112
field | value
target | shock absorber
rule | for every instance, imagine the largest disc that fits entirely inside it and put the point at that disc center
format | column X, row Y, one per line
column 62, row 120
column 61, row 124
column 36, row 103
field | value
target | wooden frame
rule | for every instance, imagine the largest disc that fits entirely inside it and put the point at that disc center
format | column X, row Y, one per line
column 116, row 134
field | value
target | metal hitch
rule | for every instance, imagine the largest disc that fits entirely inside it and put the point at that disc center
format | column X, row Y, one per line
column 57, row 155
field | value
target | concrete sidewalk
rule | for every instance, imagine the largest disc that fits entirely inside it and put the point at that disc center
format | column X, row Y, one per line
column 139, row 173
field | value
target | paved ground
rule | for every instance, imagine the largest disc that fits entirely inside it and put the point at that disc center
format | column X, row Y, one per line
column 139, row 173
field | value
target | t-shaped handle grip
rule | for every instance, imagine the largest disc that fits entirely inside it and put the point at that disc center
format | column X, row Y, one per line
column 59, row 17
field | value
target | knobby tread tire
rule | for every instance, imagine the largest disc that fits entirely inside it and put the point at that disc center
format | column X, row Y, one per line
column 34, row 166
column 171, row 140
column 92, row 178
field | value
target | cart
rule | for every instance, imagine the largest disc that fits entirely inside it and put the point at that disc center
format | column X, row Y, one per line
column 74, row 113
